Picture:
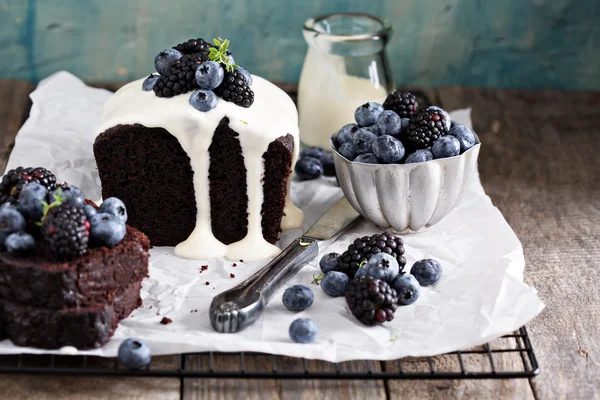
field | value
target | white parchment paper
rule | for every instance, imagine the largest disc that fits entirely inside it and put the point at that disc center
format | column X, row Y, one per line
column 481, row 295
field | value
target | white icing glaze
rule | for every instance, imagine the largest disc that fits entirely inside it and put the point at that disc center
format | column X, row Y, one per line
column 272, row 115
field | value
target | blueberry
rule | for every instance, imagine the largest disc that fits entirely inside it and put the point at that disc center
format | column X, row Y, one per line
column 329, row 262
column 465, row 136
column 114, row 206
column 134, row 353
column 446, row 146
column 308, row 168
column 408, row 289
column 149, row 82
column 19, row 243
column 203, row 100
column 165, row 59
column 70, row 195
column 383, row 266
column 314, row 151
column 363, row 141
column 11, row 221
column 247, row 76
column 345, row 135
column 367, row 114
column 389, row 123
column 328, row 164
column 298, row 298
column 334, row 283
column 421, row 155
column 375, row 129
column 30, row 201
column 447, row 120
column 89, row 211
column 209, row 75
column 346, row 150
column 303, row 330
column 427, row 272
column 367, row 158
column 388, row 149
column 106, row 229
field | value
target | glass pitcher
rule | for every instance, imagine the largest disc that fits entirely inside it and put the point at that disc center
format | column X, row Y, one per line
column 345, row 66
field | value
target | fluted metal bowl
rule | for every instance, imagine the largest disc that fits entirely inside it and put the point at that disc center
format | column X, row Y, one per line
column 406, row 197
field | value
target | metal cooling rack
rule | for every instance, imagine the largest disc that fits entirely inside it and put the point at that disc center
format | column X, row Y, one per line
column 486, row 362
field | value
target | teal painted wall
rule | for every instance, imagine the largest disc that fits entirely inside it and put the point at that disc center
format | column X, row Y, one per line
column 496, row 43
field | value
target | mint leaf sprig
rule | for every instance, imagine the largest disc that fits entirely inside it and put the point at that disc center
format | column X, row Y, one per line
column 58, row 200
column 219, row 54
column 317, row 279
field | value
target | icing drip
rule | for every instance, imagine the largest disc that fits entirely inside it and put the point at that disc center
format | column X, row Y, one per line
column 272, row 115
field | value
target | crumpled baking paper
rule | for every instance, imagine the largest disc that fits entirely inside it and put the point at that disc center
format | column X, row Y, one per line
column 480, row 297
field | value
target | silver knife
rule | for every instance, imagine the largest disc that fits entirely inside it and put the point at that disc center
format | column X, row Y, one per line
column 237, row 308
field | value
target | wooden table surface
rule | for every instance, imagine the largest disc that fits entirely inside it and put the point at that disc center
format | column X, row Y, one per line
column 540, row 164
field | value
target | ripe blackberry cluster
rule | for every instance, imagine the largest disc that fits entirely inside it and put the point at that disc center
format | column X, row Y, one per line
column 67, row 230
column 402, row 103
column 235, row 89
column 364, row 248
column 426, row 127
column 15, row 179
column 371, row 300
column 181, row 77
column 195, row 46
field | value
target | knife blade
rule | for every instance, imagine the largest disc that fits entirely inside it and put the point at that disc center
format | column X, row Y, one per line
column 237, row 308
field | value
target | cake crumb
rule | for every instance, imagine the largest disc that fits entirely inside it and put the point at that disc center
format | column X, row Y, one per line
column 207, row 283
column 241, row 260
column 150, row 308
column 166, row 321
column 195, row 310
column 203, row 268
column 234, row 265
column 232, row 275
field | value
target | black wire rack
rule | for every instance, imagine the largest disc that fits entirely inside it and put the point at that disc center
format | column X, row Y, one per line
column 508, row 357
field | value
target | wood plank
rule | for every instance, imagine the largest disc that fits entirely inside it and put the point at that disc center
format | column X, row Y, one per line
column 14, row 107
column 540, row 166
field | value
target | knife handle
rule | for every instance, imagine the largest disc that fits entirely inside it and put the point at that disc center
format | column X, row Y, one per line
column 237, row 308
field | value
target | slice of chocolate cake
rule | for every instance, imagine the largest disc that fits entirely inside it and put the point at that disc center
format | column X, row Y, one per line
column 206, row 171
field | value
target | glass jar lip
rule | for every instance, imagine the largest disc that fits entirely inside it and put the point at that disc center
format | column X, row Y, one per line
column 386, row 27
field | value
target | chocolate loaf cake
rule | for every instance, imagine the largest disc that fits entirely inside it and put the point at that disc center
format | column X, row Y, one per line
column 211, row 183
column 45, row 302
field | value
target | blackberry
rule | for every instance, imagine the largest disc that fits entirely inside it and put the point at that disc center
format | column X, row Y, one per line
column 15, row 179
column 426, row 127
column 67, row 230
column 402, row 103
column 364, row 248
column 371, row 300
column 195, row 46
column 235, row 89
column 181, row 77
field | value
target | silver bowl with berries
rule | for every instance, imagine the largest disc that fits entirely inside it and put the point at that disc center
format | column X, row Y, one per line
column 401, row 168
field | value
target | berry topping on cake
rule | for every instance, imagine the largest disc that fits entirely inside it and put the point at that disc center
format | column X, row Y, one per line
column 426, row 127
column 31, row 201
column 149, row 82
column 89, row 211
column 165, row 60
column 298, row 298
column 66, row 229
column 106, row 229
column 367, row 114
column 247, row 76
column 402, row 103
column 371, row 300
column 180, row 78
column 235, row 89
column 115, row 207
column 408, row 289
column 68, row 194
column 15, row 179
column 203, row 100
column 209, row 75
column 11, row 221
column 19, row 243
column 364, row 248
